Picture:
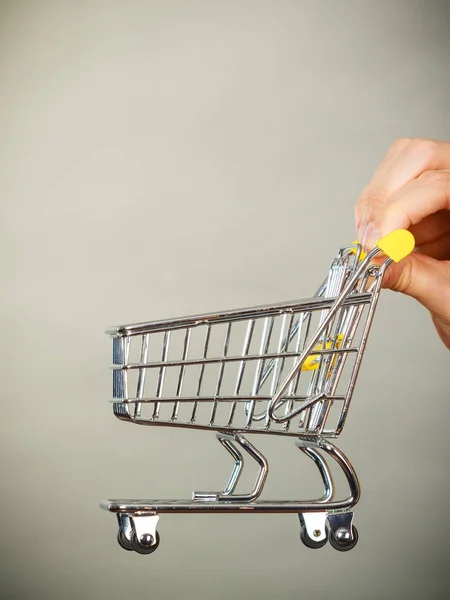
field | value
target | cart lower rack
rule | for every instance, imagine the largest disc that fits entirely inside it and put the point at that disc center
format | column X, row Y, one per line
column 283, row 369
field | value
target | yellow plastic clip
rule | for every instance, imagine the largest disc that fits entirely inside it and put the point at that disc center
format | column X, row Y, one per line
column 397, row 245
column 312, row 362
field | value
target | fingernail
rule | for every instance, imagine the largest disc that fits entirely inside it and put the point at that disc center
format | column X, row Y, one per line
column 369, row 236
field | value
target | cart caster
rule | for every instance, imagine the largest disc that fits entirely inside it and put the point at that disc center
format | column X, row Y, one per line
column 123, row 541
column 341, row 541
column 311, row 543
column 146, row 544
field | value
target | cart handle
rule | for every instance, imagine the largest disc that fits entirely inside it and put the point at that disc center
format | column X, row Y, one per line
column 396, row 246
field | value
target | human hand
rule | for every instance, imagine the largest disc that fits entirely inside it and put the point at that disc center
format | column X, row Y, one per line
column 411, row 190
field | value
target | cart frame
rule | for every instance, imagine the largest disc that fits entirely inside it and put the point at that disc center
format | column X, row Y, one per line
column 352, row 285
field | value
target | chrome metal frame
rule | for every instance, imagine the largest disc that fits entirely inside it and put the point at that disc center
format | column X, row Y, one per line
column 345, row 305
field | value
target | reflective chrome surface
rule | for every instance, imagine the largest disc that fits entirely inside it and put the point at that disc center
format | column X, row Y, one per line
column 281, row 369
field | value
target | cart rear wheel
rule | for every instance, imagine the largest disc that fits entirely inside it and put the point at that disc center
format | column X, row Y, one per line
column 311, row 543
column 340, row 540
column 146, row 545
column 123, row 541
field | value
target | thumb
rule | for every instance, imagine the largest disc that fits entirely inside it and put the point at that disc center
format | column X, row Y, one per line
column 425, row 279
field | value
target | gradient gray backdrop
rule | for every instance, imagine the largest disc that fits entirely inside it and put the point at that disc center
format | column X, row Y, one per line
column 164, row 158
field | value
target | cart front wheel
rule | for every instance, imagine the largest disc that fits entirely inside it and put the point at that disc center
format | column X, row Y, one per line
column 311, row 543
column 340, row 540
column 123, row 541
column 146, row 544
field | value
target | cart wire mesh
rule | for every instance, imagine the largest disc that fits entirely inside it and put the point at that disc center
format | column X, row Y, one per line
column 222, row 371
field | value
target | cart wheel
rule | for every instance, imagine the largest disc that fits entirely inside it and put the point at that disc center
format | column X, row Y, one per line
column 123, row 541
column 340, row 540
column 310, row 543
column 146, row 546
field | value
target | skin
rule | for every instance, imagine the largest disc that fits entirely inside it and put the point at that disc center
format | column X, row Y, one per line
column 411, row 190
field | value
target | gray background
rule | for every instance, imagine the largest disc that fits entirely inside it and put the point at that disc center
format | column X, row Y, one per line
column 172, row 157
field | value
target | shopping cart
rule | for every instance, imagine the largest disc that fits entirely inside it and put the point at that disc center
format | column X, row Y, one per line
column 283, row 369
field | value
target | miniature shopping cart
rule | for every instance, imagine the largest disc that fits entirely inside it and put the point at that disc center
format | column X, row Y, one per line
column 284, row 369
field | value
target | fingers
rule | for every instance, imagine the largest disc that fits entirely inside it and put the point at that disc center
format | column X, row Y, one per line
column 425, row 279
column 438, row 249
column 424, row 196
column 406, row 160
column 410, row 205
column 431, row 228
column 411, row 190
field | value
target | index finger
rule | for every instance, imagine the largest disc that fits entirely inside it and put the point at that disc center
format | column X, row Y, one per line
column 406, row 160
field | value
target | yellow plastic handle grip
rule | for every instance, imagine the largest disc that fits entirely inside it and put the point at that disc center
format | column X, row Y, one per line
column 396, row 245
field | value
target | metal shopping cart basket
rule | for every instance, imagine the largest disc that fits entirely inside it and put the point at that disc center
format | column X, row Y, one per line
column 284, row 369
